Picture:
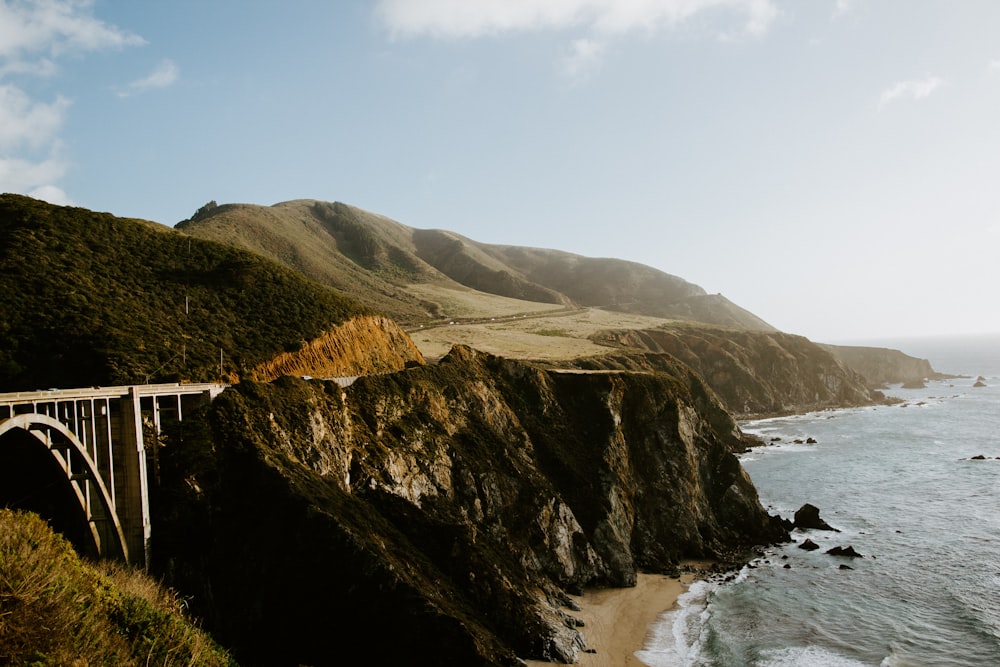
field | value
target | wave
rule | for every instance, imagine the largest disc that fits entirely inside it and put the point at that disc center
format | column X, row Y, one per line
column 808, row 656
column 677, row 638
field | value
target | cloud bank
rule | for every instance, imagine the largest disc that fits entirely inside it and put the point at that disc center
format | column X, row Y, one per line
column 476, row 18
column 34, row 35
column 602, row 21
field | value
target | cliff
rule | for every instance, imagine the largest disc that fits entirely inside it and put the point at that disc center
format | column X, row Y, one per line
column 882, row 366
column 753, row 373
column 436, row 516
column 361, row 346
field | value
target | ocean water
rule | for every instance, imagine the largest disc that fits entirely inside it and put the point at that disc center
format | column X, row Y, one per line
column 900, row 484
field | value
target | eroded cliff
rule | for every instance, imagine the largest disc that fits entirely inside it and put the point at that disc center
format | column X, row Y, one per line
column 437, row 515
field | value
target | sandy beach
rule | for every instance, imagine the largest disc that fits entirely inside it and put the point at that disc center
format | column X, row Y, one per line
column 618, row 619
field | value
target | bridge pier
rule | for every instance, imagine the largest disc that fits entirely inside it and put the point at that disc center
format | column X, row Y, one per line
column 97, row 437
column 133, row 507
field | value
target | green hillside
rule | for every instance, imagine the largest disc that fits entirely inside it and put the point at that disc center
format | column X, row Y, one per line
column 92, row 299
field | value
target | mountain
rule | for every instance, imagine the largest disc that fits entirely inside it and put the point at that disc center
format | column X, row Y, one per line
column 409, row 273
column 92, row 299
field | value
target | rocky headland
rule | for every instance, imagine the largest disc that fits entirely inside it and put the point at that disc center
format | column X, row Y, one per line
column 440, row 515
column 754, row 373
column 881, row 367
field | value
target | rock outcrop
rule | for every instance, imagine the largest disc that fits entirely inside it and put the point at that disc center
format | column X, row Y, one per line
column 753, row 373
column 847, row 552
column 807, row 517
column 361, row 346
column 439, row 515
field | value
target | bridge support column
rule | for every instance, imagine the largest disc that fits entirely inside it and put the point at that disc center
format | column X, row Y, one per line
column 133, row 504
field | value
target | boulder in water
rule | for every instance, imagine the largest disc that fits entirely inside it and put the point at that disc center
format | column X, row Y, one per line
column 809, row 545
column 807, row 516
column 847, row 551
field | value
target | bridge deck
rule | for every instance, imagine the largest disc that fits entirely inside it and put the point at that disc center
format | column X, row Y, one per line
column 166, row 389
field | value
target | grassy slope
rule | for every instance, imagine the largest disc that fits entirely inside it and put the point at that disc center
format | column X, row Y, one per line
column 56, row 609
column 380, row 262
column 89, row 298
column 328, row 243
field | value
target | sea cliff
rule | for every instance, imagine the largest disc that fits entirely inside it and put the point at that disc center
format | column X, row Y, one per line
column 883, row 366
column 439, row 515
column 754, row 373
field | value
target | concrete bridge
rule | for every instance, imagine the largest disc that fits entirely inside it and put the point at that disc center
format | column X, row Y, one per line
column 78, row 457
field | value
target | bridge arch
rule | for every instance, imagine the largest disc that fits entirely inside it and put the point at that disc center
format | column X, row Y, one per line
column 82, row 476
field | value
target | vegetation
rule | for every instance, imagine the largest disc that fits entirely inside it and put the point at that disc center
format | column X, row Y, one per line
column 89, row 299
column 58, row 610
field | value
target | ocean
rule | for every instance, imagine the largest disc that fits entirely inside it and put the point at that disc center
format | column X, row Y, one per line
column 902, row 486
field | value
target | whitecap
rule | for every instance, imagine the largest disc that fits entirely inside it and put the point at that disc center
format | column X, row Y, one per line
column 676, row 637
column 808, row 656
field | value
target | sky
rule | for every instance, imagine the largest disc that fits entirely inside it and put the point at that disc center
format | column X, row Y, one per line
column 833, row 166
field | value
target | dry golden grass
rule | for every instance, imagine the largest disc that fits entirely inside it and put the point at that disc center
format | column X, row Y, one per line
column 56, row 609
column 465, row 303
column 553, row 336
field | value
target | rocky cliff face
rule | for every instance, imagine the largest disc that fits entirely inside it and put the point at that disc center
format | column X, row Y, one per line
column 438, row 515
column 881, row 366
column 361, row 346
column 753, row 373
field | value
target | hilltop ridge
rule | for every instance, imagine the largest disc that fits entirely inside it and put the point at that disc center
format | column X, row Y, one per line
column 379, row 261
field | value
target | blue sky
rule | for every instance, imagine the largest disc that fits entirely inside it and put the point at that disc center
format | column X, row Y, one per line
column 831, row 165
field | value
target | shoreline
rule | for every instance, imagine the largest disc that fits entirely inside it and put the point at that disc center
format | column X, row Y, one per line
column 618, row 620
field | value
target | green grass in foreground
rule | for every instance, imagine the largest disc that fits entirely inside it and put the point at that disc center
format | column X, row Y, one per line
column 56, row 609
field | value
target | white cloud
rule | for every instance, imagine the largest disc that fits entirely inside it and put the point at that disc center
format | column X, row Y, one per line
column 50, row 193
column 475, row 18
column 34, row 35
column 35, row 178
column 28, row 124
column 995, row 65
column 843, row 7
column 914, row 89
column 584, row 57
column 53, row 28
column 164, row 76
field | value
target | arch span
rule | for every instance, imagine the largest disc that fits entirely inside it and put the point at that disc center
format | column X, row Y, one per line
column 82, row 475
